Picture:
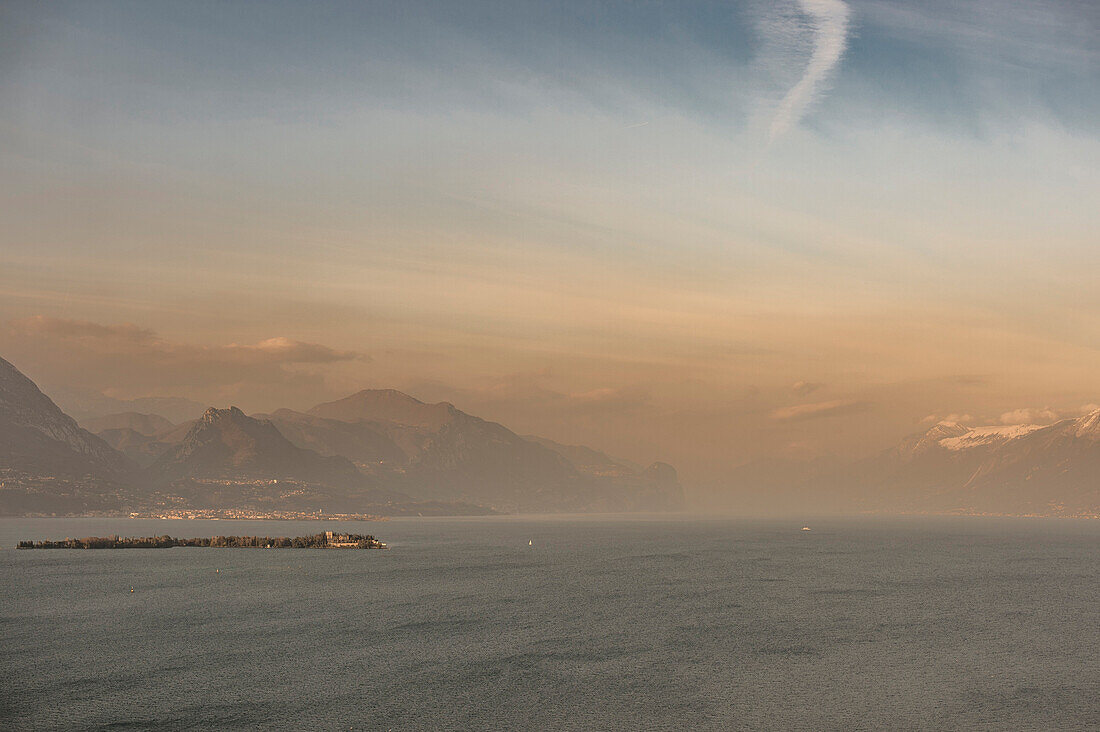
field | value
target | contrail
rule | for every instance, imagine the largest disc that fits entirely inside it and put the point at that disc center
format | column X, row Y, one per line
column 829, row 19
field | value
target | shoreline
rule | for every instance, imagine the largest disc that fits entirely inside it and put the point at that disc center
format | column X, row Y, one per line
column 326, row 540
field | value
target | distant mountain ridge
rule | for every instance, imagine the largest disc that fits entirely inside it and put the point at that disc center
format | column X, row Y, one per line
column 376, row 450
column 1018, row 469
column 85, row 404
column 226, row 443
column 226, row 447
column 384, row 449
column 436, row 451
column 586, row 459
column 143, row 424
column 390, row 406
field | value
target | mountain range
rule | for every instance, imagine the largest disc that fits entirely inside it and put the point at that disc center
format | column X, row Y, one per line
column 383, row 451
column 953, row 468
column 377, row 451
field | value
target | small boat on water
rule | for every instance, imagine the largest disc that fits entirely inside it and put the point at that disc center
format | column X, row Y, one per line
column 530, row 542
column 805, row 528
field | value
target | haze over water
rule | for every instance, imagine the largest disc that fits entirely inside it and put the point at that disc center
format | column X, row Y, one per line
column 601, row 623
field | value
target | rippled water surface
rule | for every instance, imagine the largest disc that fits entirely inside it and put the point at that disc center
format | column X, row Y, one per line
column 600, row 624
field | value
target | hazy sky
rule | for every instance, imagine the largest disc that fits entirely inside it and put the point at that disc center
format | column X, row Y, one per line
column 704, row 232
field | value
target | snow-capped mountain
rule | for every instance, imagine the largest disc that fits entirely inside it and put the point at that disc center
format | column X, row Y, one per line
column 1021, row 469
column 987, row 436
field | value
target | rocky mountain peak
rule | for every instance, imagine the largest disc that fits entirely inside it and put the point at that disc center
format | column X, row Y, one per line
column 213, row 414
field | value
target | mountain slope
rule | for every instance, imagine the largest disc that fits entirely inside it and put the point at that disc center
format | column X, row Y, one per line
column 230, row 459
column 388, row 406
column 1048, row 469
column 656, row 488
column 140, row 449
column 585, row 459
column 1017, row 469
column 226, row 443
column 47, row 461
column 366, row 444
column 446, row 454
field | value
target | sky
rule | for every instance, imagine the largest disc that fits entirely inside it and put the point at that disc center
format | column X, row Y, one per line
column 710, row 233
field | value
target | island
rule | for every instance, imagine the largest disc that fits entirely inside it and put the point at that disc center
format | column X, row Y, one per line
column 325, row 540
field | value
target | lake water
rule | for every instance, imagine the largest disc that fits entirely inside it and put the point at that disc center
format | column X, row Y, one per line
column 632, row 623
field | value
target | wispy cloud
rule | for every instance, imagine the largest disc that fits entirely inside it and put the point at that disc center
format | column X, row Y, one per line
column 131, row 340
column 828, row 19
column 128, row 361
column 44, row 326
column 818, row 410
column 1044, row 415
